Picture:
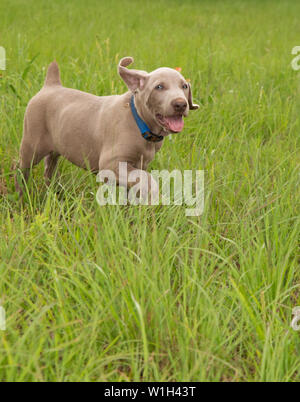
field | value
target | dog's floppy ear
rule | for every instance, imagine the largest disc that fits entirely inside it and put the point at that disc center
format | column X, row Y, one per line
column 134, row 79
column 192, row 106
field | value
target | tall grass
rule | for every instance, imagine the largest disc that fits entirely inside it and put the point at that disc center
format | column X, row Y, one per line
column 145, row 293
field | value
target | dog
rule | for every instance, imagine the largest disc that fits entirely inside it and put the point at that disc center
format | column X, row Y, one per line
column 98, row 132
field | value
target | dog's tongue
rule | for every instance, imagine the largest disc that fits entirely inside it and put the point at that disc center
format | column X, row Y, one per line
column 175, row 123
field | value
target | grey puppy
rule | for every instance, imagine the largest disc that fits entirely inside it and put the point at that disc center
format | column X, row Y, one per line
column 98, row 132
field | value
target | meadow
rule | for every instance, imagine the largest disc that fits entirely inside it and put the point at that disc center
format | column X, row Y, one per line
column 126, row 293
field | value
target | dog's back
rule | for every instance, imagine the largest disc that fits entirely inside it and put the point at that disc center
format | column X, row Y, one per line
column 66, row 121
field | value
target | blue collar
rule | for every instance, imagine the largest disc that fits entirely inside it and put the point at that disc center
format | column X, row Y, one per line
column 144, row 129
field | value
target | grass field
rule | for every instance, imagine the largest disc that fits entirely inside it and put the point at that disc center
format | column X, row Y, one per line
column 146, row 293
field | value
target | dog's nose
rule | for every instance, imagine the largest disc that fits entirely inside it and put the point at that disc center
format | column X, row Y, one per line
column 179, row 104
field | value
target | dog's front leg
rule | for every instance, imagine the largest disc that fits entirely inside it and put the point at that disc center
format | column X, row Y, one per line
column 142, row 187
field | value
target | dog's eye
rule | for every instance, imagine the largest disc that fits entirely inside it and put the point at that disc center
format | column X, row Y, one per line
column 184, row 86
column 159, row 87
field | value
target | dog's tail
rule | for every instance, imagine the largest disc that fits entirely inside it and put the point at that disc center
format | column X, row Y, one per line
column 53, row 75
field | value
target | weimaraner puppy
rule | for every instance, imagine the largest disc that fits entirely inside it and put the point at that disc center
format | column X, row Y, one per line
column 98, row 132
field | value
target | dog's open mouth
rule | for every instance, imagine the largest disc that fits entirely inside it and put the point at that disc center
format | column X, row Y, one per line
column 171, row 123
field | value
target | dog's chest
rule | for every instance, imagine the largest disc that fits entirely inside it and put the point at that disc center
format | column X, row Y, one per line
column 145, row 155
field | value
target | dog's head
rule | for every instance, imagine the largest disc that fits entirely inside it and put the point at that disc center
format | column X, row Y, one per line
column 163, row 97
